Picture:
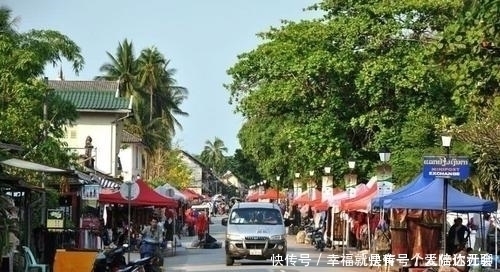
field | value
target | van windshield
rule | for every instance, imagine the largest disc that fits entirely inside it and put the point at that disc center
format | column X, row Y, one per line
column 255, row 216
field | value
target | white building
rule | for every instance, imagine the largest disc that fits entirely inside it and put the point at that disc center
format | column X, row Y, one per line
column 96, row 135
column 131, row 156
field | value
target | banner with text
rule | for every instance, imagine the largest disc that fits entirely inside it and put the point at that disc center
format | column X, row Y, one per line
column 451, row 167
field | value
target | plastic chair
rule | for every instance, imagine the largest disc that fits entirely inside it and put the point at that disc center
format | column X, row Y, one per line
column 31, row 262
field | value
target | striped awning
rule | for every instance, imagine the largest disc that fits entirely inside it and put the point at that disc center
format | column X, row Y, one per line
column 106, row 183
column 88, row 179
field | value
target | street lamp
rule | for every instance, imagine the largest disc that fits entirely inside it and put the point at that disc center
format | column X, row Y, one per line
column 351, row 163
column 349, row 180
column 310, row 184
column 446, row 142
column 384, row 154
column 296, row 185
column 328, row 170
column 277, row 188
column 384, row 171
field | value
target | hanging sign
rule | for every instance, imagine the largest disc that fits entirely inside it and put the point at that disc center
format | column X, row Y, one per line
column 55, row 219
column 450, row 167
column 90, row 192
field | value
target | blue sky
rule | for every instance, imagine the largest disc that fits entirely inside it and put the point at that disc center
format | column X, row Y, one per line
column 201, row 38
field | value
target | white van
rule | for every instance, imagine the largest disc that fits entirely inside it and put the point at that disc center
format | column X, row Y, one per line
column 255, row 231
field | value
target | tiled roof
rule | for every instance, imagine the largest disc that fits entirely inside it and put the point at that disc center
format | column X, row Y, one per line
column 92, row 100
column 130, row 138
column 83, row 85
column 10, row 147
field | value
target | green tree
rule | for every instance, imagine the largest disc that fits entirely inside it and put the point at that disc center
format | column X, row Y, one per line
column 169, row 168
column 23, row 92
column 213, row 155
column 157, row 99
column 343, row 85
column 469, row 53
column 151, row 63
column 22, row 96
column 170, row 101
column 244, row 168
column 122, row 68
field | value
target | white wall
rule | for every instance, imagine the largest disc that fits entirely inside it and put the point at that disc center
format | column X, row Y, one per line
column 106, row 138
column 196, row 173
column 131, row 158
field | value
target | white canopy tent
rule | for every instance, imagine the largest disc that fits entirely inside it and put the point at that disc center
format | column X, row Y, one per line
column 33, row 166
column 169, row 190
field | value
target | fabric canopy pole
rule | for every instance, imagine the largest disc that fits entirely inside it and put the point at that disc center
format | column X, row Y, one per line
column 496, row 239
column 332, row 229
column 346, row 233
column 369, row 231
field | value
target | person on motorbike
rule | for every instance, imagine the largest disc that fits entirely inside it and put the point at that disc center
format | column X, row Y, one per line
column 152, row 238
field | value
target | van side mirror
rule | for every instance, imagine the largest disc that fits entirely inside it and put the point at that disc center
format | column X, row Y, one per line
column 224, row 222
column 287, row 222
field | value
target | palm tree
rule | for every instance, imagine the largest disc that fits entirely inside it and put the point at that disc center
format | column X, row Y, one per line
column 123, row 68
column 150, row 63
column 213, row 154
column 170, row 98
column 7, row 23
column 154, row 134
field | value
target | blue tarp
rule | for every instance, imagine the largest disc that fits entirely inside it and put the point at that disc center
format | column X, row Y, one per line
column 416, row 184
column 430, row 197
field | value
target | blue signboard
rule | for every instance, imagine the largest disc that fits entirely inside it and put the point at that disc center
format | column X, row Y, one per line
column 452, row 167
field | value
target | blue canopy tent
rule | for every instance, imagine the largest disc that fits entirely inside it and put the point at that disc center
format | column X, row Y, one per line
column 416, row 184
column 430, row 197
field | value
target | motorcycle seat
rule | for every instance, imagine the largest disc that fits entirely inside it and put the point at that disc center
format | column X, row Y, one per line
column 141, row 261
column 126, row 269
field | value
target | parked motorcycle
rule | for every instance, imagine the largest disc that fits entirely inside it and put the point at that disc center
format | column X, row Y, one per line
column 110, row 260
column 153, row 251
column 140, row 265
column 329, row 243
column 319, row 241
column 113, row 260
column 309, row 229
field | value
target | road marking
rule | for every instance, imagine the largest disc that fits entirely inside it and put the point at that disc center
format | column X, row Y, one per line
column 319, row 258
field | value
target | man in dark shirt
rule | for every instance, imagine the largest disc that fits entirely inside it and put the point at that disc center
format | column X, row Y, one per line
column 457, row 237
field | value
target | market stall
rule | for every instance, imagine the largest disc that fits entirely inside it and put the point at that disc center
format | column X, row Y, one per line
column 416, row 214
column 66, row 259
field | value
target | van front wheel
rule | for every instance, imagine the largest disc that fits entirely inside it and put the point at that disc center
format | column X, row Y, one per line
column 229, row 260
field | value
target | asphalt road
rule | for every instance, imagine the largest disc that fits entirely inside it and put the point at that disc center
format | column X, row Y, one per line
column 213, row 260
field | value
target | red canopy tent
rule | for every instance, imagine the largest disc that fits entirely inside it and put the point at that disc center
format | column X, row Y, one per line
column 190, row 194
column 323, row 206
column 253, row 197
column 147, row 197
column 305, row 199
column 361, row 201
column 271, row 193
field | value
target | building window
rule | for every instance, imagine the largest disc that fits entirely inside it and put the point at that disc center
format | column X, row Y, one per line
column 72, row 134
